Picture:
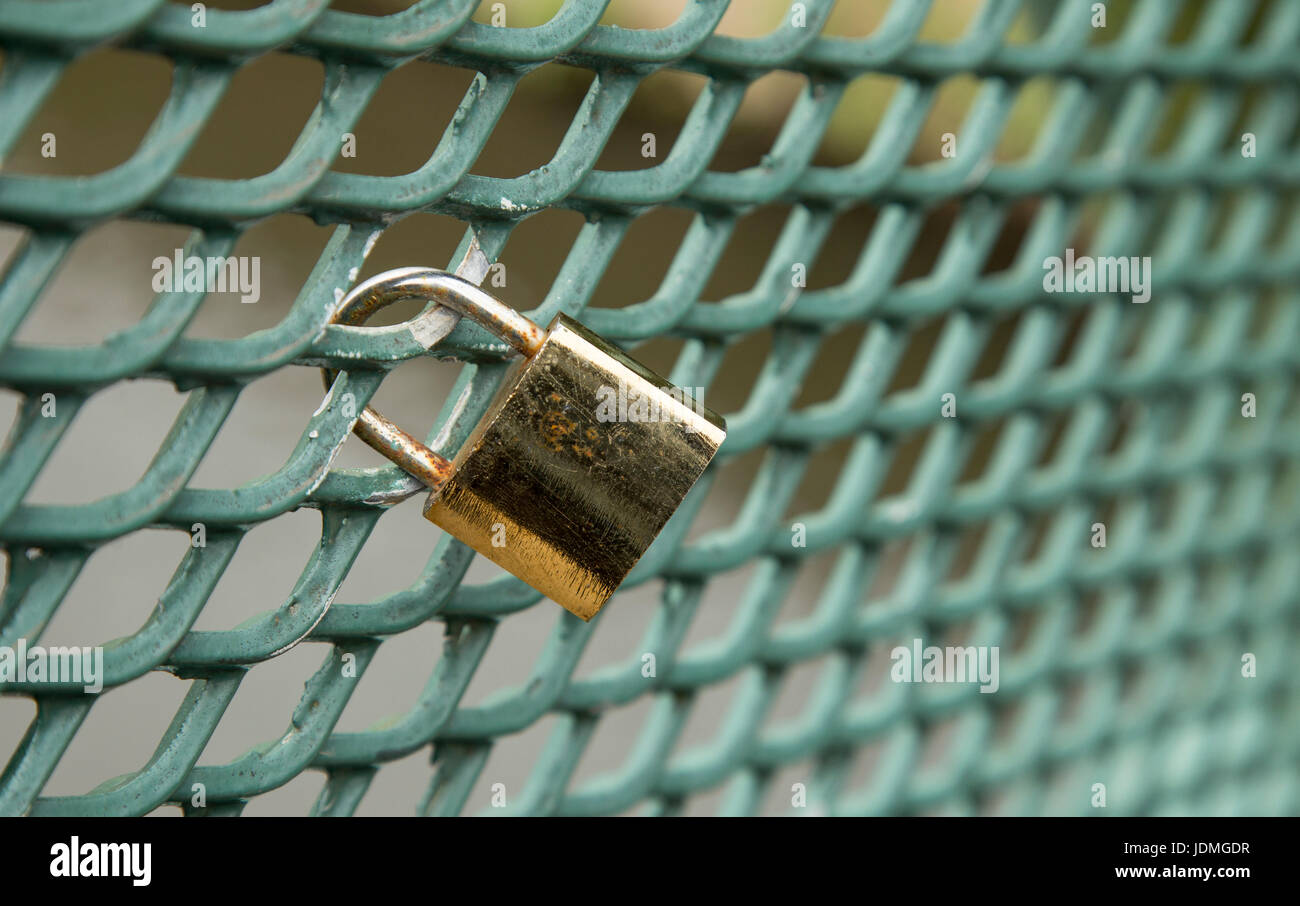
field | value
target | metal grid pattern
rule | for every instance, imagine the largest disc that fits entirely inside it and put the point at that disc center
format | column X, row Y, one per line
column 1119, row 664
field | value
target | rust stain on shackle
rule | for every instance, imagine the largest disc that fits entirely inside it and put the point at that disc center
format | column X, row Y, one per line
column 448, row 292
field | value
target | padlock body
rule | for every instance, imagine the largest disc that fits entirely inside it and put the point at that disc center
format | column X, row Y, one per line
column 577, row 464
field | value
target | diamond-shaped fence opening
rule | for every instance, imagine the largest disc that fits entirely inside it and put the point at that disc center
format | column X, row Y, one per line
column 999, row 299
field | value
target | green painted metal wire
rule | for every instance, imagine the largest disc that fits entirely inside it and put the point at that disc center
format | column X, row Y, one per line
column 1114, row 681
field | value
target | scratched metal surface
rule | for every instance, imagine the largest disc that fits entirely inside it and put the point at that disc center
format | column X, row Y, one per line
column 1119, row 665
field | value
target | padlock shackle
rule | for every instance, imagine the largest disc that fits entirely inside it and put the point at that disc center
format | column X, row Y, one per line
column 451, row 295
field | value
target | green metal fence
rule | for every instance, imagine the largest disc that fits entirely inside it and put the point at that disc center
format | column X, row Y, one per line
column 1128, row 665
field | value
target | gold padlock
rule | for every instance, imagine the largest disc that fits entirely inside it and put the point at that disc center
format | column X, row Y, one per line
column 581, row 458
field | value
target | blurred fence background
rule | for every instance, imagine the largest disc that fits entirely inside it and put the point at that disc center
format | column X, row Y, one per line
column 830, row 215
